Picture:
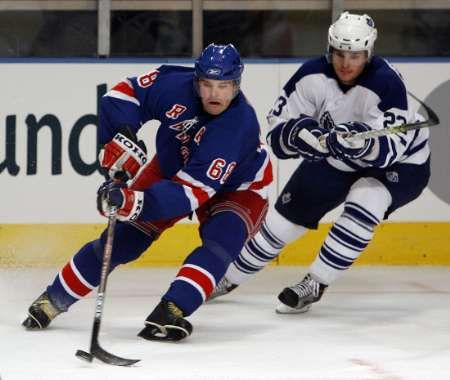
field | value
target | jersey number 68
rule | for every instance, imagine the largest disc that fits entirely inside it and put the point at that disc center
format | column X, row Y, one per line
column 216, row 170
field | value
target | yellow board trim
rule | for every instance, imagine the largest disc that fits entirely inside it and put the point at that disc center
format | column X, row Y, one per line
column 393, row 244
column 49, row 245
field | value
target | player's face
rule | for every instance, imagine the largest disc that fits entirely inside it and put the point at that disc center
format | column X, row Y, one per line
column 216, row 95
column 348, row 65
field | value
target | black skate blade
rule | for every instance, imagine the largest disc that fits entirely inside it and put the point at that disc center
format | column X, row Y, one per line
column 31, row 324
column 172, row 333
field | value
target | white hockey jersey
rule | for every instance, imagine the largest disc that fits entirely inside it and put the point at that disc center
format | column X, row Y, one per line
column 379, row 99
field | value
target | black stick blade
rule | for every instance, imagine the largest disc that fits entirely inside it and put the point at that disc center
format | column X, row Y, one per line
column 108, row 358
column 433, row 119
column 83, row 355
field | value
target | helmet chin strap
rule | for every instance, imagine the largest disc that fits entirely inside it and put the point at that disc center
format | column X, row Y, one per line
column 237, row 87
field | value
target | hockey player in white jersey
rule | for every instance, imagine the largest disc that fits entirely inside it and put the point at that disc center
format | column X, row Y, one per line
column 347, row 90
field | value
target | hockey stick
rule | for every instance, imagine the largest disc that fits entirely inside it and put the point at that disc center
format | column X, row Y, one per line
column 432, row 119
column 96, row 351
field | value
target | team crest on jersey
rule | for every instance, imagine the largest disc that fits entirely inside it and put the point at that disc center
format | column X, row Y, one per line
column 185, row 154
column 176, row 111
column 198, row 136
column 392, row 177
column 183, row 127
column 286, row 198
column 326, row 121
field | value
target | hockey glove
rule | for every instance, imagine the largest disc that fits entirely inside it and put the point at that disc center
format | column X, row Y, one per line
column 122, row 157
column 341, row 148
column 302, row 135
column 129, row 203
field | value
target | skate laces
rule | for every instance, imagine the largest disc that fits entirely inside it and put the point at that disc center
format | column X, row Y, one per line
column 223, row 285
column 307, row 287
column 174, row 310
column 44, row 304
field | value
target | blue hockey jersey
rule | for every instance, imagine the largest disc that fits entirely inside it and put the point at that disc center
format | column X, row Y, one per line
column 199, row 154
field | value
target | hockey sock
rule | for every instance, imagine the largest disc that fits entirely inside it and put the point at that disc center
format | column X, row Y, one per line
column 223, row 236
column 348, row 237
column 77, row 278
column 82, row 273
column 275, row 232
column 364, row 208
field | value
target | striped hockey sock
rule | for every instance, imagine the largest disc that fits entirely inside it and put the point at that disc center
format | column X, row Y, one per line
column 265, row 246
column 348, row 237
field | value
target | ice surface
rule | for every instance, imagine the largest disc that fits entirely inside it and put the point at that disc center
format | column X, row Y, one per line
column 374, row 323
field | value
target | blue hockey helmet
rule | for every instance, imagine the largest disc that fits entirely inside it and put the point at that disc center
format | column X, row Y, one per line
column 220, row 62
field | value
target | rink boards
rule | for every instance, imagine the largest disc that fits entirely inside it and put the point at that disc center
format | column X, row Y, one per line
column 53, row 244
column 48, row 165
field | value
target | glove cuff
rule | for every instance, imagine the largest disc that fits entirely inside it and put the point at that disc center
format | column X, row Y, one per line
column 132, row 206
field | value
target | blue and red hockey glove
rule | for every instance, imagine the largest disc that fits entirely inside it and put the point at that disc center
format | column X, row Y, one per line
column 129, row 203
column 122, row 157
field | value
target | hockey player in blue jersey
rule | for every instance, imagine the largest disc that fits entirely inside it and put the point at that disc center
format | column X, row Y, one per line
column 348, row 90
column 209, row 160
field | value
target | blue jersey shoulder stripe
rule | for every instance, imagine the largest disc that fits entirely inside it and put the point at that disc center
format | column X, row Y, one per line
column 383, row 80
column 378, row 76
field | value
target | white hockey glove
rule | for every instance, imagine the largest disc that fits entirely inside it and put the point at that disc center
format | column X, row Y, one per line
column 122, row 157
column 341, row 148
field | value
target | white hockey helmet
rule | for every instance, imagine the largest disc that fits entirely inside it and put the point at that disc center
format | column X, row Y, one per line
column 352, row 32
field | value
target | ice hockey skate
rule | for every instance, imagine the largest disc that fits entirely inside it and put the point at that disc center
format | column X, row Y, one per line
column 41, row 312
column 298, row 298
column 223, row 287
column 166, row 323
